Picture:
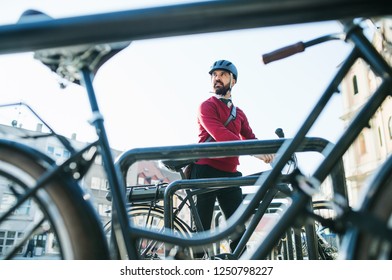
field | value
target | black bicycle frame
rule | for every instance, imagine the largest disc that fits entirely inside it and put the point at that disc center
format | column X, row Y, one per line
column 363, row 49
column 205, row 17
column 120, row 224
column 182, row 19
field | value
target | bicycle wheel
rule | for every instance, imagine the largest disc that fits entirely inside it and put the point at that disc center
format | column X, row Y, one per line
column 152, row 218
column 326, row 241
column 62, row 223
column 377, row 202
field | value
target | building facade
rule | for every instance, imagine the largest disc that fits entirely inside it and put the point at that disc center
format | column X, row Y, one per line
column 94, row 184
column 374, row 143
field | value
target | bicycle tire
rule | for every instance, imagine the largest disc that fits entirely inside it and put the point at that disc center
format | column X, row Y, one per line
column 325, row 250
column 376, row 200
column 61, row 203
column 152, row 218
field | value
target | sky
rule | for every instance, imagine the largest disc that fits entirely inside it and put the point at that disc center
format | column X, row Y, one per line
column 149, row 92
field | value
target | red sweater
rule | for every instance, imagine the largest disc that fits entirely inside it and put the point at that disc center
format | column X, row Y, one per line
column 212, row 115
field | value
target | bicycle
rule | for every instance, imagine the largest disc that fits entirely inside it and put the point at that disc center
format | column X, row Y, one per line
column 280, row 191
column 145, row 210
column 75, row 223
column 145, row 198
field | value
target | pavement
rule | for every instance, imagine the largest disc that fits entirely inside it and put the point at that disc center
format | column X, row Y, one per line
column 42, row 257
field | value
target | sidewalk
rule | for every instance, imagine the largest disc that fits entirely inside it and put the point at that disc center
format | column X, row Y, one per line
column 42, row 257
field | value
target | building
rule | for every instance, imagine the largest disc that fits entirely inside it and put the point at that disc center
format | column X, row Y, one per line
column 94, row 183
column 374, row 144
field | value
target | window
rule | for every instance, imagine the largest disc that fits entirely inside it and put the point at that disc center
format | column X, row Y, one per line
column 104, row 210
column 140, row 180
column 355, row 84
column 58, row 152
column 379, row 136
column 50, row 150
column 99, row 183
column 95, row 183
column 105, row 185
column 8, row 200
column 390, row 127
column 98, row 160
column 66, row 154
column 8, row 239
column 40, row 240
column 362, row 144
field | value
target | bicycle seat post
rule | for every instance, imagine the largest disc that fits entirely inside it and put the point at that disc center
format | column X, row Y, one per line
column 120, row 219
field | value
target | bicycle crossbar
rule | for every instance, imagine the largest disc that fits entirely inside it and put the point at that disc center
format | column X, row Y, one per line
column 182, row 19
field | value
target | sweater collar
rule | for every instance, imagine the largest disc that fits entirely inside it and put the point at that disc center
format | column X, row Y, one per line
column 228, row 102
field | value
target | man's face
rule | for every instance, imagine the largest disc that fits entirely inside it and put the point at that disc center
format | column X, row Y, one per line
column 220, row 80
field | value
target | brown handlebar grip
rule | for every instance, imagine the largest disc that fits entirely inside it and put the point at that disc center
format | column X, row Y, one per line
column 283, row 52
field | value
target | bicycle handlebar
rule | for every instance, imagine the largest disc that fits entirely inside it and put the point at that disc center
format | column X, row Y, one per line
column 298, row 47
column 283, row 52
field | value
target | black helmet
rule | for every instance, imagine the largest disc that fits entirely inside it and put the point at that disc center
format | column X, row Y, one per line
column 224, row 65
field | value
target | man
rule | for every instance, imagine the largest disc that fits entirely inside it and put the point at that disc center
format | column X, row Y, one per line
column 30, row 249
column 212, row 115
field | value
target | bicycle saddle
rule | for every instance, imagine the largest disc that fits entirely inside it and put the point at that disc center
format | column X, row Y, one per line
column 68, row 62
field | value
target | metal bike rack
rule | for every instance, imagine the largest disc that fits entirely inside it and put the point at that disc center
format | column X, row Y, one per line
column 200, row 185
column 232, row 148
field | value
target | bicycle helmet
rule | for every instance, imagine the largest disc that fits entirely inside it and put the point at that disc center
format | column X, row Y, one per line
column 31, row 15
column 224, row 65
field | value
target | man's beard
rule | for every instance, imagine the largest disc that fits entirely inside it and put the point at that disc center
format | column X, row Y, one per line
column 222, row 90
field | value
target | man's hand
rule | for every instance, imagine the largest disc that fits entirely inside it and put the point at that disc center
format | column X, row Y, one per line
column 267, row 158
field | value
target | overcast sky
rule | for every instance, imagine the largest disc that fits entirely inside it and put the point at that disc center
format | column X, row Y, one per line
column 150, row 91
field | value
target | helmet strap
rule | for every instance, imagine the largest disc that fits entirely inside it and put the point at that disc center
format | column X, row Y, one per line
column 231, row 81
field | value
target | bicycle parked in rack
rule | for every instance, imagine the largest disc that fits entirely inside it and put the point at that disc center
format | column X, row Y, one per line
column 144, row 200
column 146, row 210
column 31, row 177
